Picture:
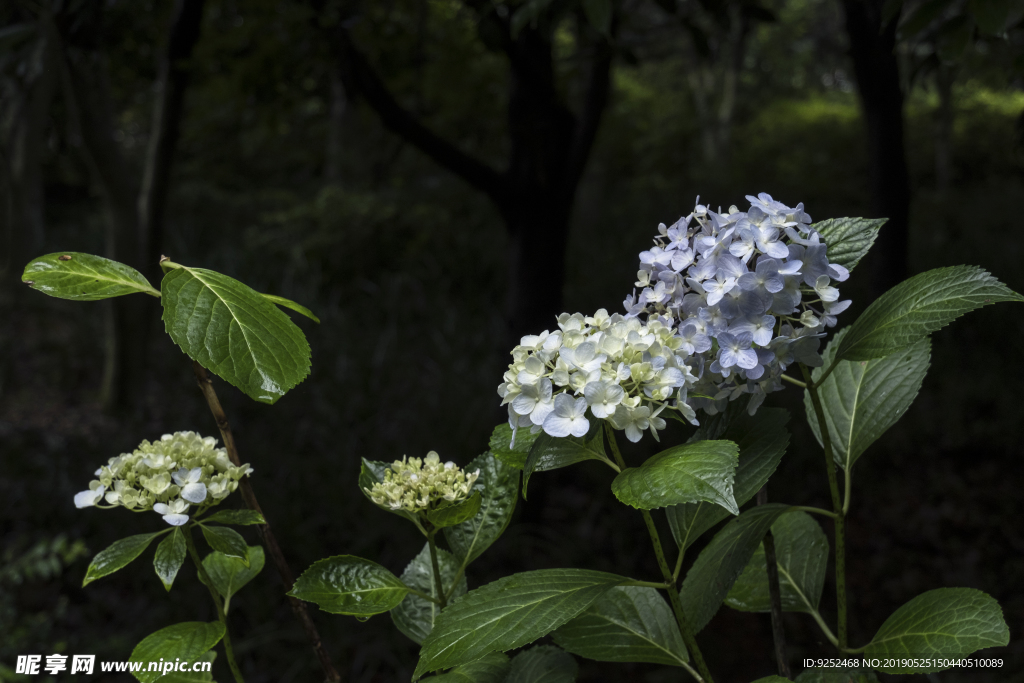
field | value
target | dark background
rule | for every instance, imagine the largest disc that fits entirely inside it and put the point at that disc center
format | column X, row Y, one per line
column 433, row 185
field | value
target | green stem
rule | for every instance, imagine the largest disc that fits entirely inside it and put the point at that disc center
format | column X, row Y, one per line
column 837, row 504
column 847, row 480
column 423, row 595
column 814, row 511
column 438, row 586
column 792, row 380
column 205, row 578
column 824, row 628
column 670, row 581
column 824, row 375
column 679, row 564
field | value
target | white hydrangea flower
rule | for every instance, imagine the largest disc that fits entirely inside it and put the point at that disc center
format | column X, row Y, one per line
column 166, row 476
column 728, row 301
column 418, row 485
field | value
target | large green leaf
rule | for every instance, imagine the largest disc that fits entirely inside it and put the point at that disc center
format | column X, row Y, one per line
column 626, row 624
column 188, row 641
column 552, row 452
column 509, row 613
column 455, row 513
column 498, row 486
column 229, row 574
column 84, row 277
column 543, row 664
column 916, row 307
column 722, row 561
column 118, row 555
column 415, row 616
column 240, row 517
column 500, row 445
column 849, row 239
column 491, row 668
column 945, row 622
column 690, row 473
column 762, row 439
column 862, row 399
column 801, row 554
column 170, row 555
column 235, row 332
column 226, row 540
column 346, row 584
column 838, row 675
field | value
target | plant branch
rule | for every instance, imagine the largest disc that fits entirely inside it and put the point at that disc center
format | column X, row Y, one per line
column 670, row 582
column 358, row 76
column 814, row 511
column 205, row 578
column 837, row 506
column 269, row 540
column 774, row 593
column 791, row 380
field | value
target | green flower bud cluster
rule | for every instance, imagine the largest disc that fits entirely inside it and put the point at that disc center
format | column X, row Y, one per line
column 416, row 485
column 166, row 476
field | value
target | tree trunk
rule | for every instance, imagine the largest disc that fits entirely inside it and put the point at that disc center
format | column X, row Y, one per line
column 878, row 85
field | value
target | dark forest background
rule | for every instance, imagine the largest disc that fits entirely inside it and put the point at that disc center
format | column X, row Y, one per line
column 435, row 178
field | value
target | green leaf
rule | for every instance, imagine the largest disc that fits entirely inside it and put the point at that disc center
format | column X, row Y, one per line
column 862, row 399
column 235, row 332
column 509, row 613
column 498, row 485
column 599, row 15
column 501, row 438
column 455, row 513
column 722, row 561
column 849, row 239
column 119, row 554
column 170, row 555
column 946, row 622
column 188, row 641
column 84, row 277
column 346, row 584
column 288, row 303
column 762, row 440
column 415, row 616
column 227, row 541
column 543, row 664
column 915, row 308
column 990, row 15
column 491, row 668
column 372, row 472
column 551, row 452
column 239, row 517
column 772, row 679
column 690, row 473
column 626, row 624
column 836, row 676
column 801, row 554
column 229, row 574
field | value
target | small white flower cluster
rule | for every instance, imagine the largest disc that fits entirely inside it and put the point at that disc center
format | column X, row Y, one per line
column 733, row 285
column 722, row 313
column 165, row 476
column 623, row 370
column 418, row 485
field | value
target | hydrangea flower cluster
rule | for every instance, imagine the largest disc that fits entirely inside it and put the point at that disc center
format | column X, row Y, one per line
column 417, row 485
column 728, row 301
column 619, row 368
column 166, row 476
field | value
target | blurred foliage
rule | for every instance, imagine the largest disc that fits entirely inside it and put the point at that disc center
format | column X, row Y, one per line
column 407, row 270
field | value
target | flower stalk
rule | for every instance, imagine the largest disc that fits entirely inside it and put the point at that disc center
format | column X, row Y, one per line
column 218, row 605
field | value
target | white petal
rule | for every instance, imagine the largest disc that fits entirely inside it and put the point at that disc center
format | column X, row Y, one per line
column 175, row 520
column 194, row 493
column 580, row 426
column 556, row 425
column 161, row 508
column 87, row 499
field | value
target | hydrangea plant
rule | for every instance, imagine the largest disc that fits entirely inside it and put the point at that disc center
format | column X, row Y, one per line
column 732, row 306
